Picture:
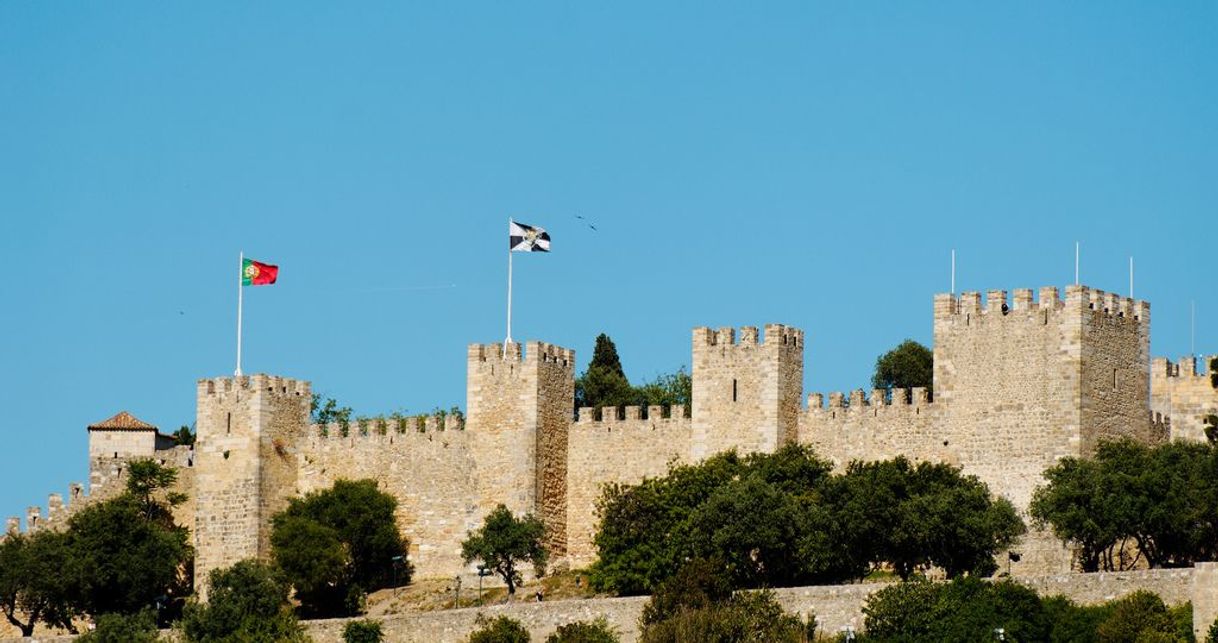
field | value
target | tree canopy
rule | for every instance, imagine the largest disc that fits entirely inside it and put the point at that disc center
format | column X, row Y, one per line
column 908, row 365
column 504, row 543
column 247, row 602
column 782, row 519
column 337, row 544
column 604, row 383
column 33, row 585
column 1163, row 499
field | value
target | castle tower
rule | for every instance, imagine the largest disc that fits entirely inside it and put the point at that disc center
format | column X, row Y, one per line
column 746, row 395
column 245, row 468
column 519, row 410
column 1185, row 393
column 1039, row 380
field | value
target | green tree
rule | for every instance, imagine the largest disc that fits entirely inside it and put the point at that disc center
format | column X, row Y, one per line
column 604, row 383
column 338, row 544
column 699, row 584
column 667, row 390
column 33, row 585
column 247, row 603
column 501, row 629
column 746, row 617
column 185, row 436
column 504, row 543
column 127, row 553
column 595, row 631
column 366, row 631
column 1140, row 616
column 124, row 628
column 917, row 516
column 908, row 365
column 328, row 411
column 964, row 610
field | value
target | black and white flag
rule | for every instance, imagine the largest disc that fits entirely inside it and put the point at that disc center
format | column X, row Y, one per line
column 527, row 238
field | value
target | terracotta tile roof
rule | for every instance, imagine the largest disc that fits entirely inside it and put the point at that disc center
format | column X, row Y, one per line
column 122, row 421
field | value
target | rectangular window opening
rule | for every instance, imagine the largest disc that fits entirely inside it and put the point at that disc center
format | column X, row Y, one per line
column 733, row 390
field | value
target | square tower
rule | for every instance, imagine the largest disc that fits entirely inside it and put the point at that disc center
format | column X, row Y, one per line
column 1024, row 383
column 245, row 466
column 520, row 407
column 746, row 395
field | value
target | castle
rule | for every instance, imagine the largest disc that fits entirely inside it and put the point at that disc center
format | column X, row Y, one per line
column 1018, row 384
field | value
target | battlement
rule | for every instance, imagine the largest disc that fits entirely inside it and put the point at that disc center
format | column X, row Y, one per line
column 901, row 399
column 381, row 426
column 273, row 384
column 57, row 512
column 511, row 352
column 1188, row 367
column 609, row 414
column 969, row 304
column 775, row 334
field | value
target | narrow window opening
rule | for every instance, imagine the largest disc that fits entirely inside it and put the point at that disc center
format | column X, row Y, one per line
column 228, row 423
column 1114, row 379
column 733, row 390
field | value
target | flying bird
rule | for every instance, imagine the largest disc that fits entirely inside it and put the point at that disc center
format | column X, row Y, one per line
column 586, row 222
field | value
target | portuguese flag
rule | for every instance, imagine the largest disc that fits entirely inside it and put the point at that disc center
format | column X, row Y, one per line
column 256, row 273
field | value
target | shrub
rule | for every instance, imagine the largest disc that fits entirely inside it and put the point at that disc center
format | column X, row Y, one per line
column 598, row 631
column 123, row 628
column 746, row 617
column 366, row 631
column 698, row 584
column 1140, row 616
column 1212, row 637
column 499, row 630
column 247, row 602
column 964, row 610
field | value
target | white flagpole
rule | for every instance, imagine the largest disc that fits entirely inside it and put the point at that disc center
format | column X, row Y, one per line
column 240, row 297
column 1192, row 328
column 509, row 310
column 1131, row 277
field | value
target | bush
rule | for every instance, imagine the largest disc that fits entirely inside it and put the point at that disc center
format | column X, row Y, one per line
column 747, row 617
column 123, row 628
column 1212, row 637
column 499, row 630
column 598, row 631
column 697, row 585
column 964, row 610
column 247, row 602
column 1140, row 616
column 366, row 631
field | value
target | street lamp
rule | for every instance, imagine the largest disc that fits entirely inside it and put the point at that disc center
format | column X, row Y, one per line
column 482, row 573
column 393, row 562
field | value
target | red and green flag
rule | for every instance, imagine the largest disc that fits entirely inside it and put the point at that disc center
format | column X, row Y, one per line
column 256, row 273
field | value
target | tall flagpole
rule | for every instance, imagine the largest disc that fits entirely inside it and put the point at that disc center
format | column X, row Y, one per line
column 509, row 316
column 1075, row 263
column 1131, row 277
column 240, row 296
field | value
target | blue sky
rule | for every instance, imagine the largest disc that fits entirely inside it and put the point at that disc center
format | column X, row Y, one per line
column 804, row 163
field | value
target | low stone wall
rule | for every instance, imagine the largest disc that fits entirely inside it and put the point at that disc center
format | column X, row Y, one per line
column 836, row 606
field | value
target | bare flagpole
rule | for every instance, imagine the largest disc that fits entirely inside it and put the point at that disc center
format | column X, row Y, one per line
column 240, row 302
column 509, row 307
column 1131, row 277
column 1076, row 244
column 1192, row 327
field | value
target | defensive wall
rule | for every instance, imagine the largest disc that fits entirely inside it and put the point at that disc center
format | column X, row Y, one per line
column 1184, row 391
column 836, row 606
column 1020, row 382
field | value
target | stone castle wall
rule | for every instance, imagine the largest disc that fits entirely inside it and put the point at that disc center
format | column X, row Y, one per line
column 616, row 450
column 1184, row 392
column 431, row 473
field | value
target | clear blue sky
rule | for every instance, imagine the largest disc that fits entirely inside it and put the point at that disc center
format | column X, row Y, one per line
column 805, row 163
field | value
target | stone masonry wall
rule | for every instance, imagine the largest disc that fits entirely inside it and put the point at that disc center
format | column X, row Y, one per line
column 746, row 394
column 1115, row 380
column 855, row 428
column 835, row 606
column 616, row 450
column 247, row 428
column 430, row 473
column 1184, row 392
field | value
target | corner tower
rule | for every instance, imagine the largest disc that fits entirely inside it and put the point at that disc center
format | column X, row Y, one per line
column 1027, row 382
column 520, row 407
column 746, row 395
column 246, row 470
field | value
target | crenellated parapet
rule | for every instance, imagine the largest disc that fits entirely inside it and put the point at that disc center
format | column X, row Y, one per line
column 1185, row 391
column 57, row 512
